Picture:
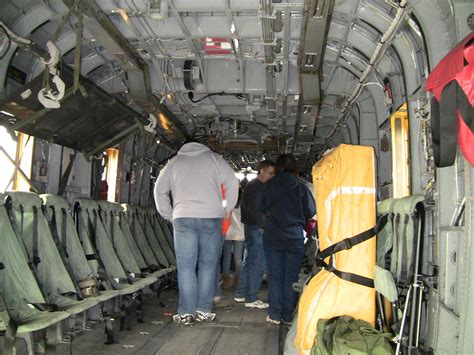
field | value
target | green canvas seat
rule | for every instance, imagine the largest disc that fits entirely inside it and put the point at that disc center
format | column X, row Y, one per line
column 151, row 232
column 153, row 217
column 92, row 229
column 109, row 215
column 127, row 234
column 167, row 228
column 145, row 229
column 127, row 217
column 396, row 241
column 40, row 248
column 19, row 293
column 68, row 239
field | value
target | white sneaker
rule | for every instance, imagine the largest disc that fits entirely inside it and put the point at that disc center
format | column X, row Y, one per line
column 205, row 316
column 256, row 304
column 272, row 321
column 239, row 299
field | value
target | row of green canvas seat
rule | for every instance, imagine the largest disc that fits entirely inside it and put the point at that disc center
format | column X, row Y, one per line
column 45, row 255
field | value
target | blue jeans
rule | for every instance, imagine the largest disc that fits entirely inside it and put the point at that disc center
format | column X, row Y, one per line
column 284, row 263
column 197, row 244
column 253, row 266
column 235, row 247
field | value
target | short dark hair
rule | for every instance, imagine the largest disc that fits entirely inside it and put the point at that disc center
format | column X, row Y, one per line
column 264, row 164
column 286, row 163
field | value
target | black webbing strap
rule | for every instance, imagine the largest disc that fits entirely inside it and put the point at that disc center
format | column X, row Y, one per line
column 404, row 250
column 112, row 237
column 10, row 335
column 348, row 276
column 78, row 221
column 19, row 237
column 112, row 231
column 106, row 275
column 36, row 259
column 59, row 241
column 94, row 256
column 346, row 244
column 64, row 231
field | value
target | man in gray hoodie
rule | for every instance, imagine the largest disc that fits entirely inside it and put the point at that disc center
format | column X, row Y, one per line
column 188, row 192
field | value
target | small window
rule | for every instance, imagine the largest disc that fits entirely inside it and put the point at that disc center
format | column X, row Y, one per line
column 400, row 153
column 111, row 173
column 15, row 161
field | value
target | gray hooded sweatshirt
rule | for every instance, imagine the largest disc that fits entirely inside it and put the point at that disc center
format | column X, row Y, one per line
column 194, row 178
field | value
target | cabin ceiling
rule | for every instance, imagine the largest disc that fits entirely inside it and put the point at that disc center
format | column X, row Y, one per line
column 249, row 77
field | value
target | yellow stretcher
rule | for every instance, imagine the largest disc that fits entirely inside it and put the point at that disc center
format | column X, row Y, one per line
column 344, row 187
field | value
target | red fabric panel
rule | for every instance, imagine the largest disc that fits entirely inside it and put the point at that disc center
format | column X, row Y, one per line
column 466, row 140
column 447, row 69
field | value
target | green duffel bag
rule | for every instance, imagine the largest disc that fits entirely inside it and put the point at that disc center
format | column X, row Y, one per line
column 348, row 336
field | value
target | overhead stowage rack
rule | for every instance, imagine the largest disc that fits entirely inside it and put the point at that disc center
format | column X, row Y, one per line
column 89, row 120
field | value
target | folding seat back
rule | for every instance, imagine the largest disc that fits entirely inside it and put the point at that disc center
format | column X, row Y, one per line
column 167, row 228
column 79, row 254
column 134, row 248
column 127, row 217
column 40, row 248
column 144, row 228
column 65, row 235
column 396, row 244
column 152, row 216
column 19, row 289
column 108, row 213
column 151, row 232
column 90, row 227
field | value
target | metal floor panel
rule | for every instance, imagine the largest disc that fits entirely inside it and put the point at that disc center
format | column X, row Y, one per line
column 237, row 330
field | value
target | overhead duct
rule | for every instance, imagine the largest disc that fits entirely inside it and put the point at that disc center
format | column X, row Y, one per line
column 312, row 44
column 316, row 19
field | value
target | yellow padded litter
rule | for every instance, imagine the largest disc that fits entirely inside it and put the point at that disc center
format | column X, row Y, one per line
column 344, row 186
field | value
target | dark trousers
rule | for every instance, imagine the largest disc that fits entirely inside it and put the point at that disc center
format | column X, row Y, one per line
column 284, row 263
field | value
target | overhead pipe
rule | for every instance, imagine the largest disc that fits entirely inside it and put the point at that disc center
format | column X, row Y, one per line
column 384, row 43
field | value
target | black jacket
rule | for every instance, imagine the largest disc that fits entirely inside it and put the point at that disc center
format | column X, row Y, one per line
column 288, row 205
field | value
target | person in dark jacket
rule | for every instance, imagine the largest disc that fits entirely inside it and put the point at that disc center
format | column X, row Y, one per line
column 288, row 204
column 253, row 266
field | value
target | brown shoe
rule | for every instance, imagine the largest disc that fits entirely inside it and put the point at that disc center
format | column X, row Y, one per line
column 226, row 283
column 236, row 282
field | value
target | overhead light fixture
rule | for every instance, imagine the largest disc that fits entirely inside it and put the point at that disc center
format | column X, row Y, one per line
column 123, row 14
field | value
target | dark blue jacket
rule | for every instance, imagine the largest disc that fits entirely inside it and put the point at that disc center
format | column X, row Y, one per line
column 288, row 205
column 249, row 203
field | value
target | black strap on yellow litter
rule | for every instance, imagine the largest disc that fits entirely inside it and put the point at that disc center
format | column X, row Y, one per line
column 346, row 244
